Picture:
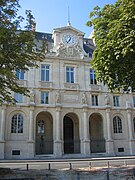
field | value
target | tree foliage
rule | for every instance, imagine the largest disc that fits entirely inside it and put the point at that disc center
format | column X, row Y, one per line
column 114, row 34
column 16, row 48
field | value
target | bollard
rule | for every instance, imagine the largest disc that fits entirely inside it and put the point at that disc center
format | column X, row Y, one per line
column 49, row 166
column 47, row 177
column 78, row 176
column 108, row 174
column 70, row 166
column 134, row 172
column 108, row 170
column 27, row 167
column 108, row 164
column 125, row 163
column 90, row 165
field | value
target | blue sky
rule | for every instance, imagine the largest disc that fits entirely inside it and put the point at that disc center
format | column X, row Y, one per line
column 51, row 14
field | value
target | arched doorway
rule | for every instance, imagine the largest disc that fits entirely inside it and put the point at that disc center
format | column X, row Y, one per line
column 71, row 134
column 44, row 133
column 97, row 141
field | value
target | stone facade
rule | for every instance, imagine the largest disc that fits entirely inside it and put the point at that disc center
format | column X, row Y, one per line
column 68, row 112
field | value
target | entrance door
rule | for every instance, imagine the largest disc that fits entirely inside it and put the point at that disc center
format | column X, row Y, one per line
column 68, row 135
column 44, row 134
column 97, row 142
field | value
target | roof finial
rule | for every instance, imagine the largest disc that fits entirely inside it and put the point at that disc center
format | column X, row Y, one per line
column 69, row 24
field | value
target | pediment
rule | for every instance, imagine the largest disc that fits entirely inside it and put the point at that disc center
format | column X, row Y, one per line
column 68, row 28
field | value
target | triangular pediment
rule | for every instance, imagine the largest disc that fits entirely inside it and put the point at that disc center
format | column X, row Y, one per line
column 68, row 28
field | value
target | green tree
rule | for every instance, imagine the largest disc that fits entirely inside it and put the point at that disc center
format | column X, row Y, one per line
column 114, row 35
column 16, row 48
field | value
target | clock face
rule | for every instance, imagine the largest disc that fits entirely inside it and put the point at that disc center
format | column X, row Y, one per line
column 69, row 39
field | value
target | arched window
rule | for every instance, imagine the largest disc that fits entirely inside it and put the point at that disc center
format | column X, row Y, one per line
column 41, row 127
column 117, row 125
column 134, row 124
column 17, row 124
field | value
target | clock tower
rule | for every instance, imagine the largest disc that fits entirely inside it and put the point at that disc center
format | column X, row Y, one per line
column 68, row 42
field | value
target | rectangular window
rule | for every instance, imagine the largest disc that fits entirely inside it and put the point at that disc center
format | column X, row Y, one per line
column 134, row 124
column 70, row 74
column 94, row 100
column 92, row 77
column 18, row 97
column 45, row 72
column 16, row 152
column 116, row 101
column 134, row 101
column 120, row 149
column 44, row 97
column 19, row 74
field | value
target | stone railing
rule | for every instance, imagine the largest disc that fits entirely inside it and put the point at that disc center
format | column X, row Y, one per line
column 45, row 84
column 71, row 86
column 96, row 88
column 22, row 83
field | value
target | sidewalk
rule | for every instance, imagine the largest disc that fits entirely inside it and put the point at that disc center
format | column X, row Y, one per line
column 52, row 159
column 122, row 173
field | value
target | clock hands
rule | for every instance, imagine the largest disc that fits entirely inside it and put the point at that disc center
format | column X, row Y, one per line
column 68, row 39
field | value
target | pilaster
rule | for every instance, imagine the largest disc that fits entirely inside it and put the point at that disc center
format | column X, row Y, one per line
column 58, row 133
column 109, row 140
column 2, row 130
column 130, row 130
column 31, row 143
column 85, row 143
column 31, row 123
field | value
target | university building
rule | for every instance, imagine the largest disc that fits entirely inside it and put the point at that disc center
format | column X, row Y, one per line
column 68, row 113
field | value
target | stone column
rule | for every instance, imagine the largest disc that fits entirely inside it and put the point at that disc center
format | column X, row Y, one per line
column 109, row 141
column 58, row 135
column 85, row 144
column 31, row 133
column 130, row 130
column 2, row 131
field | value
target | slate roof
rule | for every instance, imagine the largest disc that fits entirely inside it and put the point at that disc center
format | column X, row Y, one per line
column 88, row 44
column 45, row 36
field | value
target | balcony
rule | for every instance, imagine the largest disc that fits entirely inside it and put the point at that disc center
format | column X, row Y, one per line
column 95, row 88
column 71, row 86
column 22, row 83
column 45, row 84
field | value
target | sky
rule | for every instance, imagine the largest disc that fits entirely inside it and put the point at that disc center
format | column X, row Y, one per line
column 50, row 14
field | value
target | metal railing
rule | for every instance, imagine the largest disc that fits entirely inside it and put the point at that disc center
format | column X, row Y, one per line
column 71, row 146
